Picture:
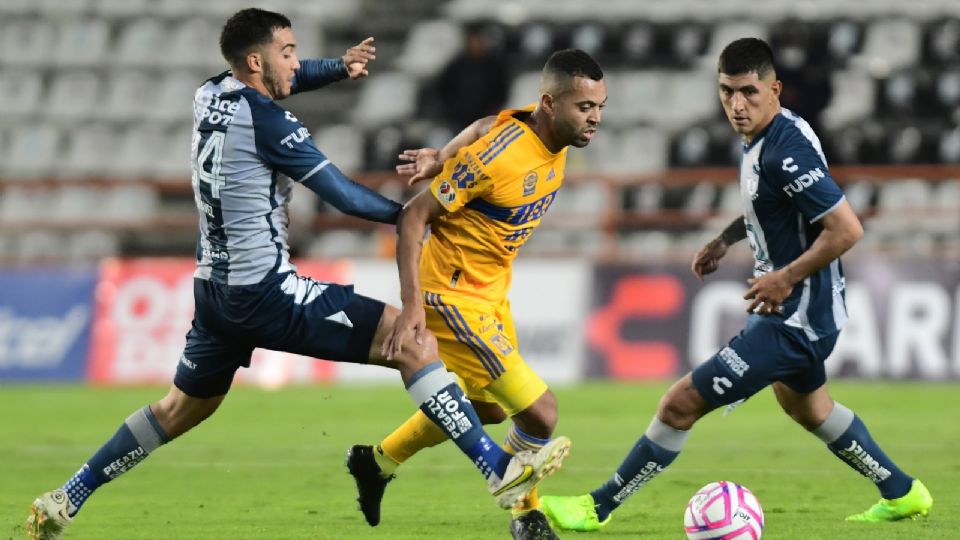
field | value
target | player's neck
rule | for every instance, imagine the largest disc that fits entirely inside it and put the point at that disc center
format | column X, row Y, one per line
column 251, row 80
column 540, row 125
column 761, row 127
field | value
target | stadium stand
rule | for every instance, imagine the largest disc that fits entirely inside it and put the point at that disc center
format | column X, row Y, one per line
column 96, row 92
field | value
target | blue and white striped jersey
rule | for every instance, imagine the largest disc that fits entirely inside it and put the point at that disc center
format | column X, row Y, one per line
column 786, row 188
column 246, row 153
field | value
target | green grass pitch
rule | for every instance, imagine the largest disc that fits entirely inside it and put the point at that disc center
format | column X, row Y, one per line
column 270, row 465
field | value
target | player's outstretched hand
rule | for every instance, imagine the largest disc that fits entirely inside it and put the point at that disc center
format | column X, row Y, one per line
column 423, row 164
column 411, row 319
column 768, row 292
column 707, row 260
column 356, row 58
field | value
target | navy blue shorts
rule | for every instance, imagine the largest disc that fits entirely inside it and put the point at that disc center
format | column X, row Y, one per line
column 286, row 312
column 765, row 351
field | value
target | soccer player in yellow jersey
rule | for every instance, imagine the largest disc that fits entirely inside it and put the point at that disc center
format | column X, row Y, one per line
column 498, row 178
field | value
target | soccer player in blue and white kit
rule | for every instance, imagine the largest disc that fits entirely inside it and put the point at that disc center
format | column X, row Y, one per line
column 798, row 224
column 247, row 152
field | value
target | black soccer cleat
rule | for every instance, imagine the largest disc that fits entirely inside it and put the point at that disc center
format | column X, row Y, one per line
column 532, row 526
column 370, row 485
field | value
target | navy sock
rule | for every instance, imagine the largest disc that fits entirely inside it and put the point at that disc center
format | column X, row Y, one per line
column 139, row 435
column 850, row 440
column 440, row 398
column 656, row 449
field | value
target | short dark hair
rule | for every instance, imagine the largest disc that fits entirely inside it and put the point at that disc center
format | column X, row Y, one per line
column 573, row 63
column 246, row 29
column 745, row 55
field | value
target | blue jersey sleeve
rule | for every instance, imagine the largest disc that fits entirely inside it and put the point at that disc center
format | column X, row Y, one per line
column 317, row 73
column 798, row 169
column 284, row 144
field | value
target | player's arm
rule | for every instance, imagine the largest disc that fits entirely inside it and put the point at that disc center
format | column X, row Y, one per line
column 425, row 163
column 804, row 179
column 411, row 230
column 317, row 73
column 707, row 260
column 284, row 144
column 350, row 197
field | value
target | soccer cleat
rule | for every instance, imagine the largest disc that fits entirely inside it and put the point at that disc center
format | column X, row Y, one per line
column 916, row 503
column 532, row 525
column 48, row 516
column 370, row 483
column 526, row 470
column 576, row 513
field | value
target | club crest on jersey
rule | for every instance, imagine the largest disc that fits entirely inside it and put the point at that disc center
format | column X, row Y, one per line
column 529, row 183
column 462, row 176
column 446, row 192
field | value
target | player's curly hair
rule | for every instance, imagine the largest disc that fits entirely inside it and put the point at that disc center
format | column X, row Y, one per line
column 246, row 29
column 745, row 55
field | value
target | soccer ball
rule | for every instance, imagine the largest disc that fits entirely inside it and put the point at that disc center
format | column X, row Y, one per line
column 723, row 511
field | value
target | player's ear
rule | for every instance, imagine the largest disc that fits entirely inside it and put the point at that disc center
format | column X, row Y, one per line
column 547, row 103
column 776, row 87
column 255, row 62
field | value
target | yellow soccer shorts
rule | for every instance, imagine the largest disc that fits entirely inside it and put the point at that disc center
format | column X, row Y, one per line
column 478, row 343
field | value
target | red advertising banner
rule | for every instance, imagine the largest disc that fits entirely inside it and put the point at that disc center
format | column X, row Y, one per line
column 143, row 311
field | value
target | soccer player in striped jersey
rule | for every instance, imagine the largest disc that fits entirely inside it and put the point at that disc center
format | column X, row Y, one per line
column 247, row 152
column 798, row 223
column 498, row 180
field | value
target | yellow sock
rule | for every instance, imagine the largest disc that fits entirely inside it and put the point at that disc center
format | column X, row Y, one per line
column 417, row 433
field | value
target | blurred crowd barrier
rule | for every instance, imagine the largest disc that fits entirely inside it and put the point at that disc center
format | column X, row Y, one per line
column 123, row 321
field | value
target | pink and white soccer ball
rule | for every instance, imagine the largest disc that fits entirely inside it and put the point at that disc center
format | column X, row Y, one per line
column 723, row 511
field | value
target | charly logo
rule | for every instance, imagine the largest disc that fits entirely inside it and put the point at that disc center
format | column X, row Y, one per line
column 529, row 183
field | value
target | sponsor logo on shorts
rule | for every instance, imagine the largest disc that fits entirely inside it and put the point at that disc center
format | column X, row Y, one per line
column 187, row 363
column 733, row 361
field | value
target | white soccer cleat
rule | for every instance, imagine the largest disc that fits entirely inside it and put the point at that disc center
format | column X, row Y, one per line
column 526, row 470
column 48, row 516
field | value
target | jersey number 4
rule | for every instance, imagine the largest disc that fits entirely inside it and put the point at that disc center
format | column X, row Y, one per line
column 207, row 167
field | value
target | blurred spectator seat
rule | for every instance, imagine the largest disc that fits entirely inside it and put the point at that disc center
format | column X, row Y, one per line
column 194, row 43
column 142, row 43
column 343, row 144
column 63, row 8
column 21, row 91
column 854, row 99
column 81, row 43
column 33, row 152
column 589, row 37
column 90, row 246
column 114, row 9
column 525, row 90
column 726, row 32
column 429, row 46
column 130, row 94
column 389, row 97
column 136, row 154
column 891, row 44
column 342, row 243
column 844, row 39
column 174, row 95
column 90, row 149
column 949, row 147
column 900, row 205
column 73, row 96
column 943, row 41
column 27, row 42
column 173, row 160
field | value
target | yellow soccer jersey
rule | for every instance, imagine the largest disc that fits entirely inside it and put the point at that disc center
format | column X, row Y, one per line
column 496, row 190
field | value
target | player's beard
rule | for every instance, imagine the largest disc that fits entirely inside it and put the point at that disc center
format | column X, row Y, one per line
column 273, row 82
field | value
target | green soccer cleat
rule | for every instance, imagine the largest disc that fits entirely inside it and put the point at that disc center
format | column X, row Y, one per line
column 572, row 513
column 917, row 502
